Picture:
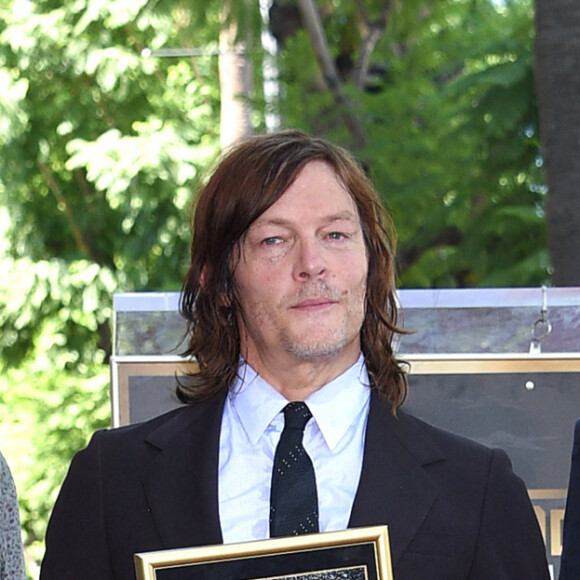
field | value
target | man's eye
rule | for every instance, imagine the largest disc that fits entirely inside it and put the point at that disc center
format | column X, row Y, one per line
column 271, row 241
column 336, row 235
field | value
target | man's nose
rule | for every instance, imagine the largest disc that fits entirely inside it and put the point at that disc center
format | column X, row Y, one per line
column 310, row 260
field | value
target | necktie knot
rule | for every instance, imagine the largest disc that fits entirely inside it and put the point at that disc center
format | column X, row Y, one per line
column 296, row 415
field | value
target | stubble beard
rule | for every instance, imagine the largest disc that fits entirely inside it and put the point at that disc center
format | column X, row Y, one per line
column 309, row 347
column 313, row 350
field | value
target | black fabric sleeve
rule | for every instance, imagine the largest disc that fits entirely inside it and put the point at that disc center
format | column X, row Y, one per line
column 76, row 542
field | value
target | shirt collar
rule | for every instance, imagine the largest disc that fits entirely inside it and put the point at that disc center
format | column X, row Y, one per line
column 334, row 407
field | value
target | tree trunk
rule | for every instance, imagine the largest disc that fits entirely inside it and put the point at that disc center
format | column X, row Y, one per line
column 235, row 83
column 557, row 72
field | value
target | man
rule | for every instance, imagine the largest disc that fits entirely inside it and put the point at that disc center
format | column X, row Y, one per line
column 290, row 297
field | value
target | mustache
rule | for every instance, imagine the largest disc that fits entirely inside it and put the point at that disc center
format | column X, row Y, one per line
column 317, row 289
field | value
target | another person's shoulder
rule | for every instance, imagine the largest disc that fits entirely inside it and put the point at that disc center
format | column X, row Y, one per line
column 4, row 470
column 7, row 487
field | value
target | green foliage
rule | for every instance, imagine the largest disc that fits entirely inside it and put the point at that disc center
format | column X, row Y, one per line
column 53, row 380
column 112, row 137
column 56, row 308
column 46, row 414
column 452, row 128
column 99, row 146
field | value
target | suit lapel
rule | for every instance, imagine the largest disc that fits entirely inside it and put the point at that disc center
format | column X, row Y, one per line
column 186, row 450
column 394, row 488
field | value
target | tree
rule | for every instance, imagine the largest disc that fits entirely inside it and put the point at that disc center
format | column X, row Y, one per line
column 558, row 85
column 235, row 80
column 450, row 121
column 99, row 147
column 317, row 37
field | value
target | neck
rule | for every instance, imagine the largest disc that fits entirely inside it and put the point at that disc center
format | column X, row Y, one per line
column 297, row 379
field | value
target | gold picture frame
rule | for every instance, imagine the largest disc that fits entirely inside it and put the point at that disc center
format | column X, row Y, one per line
column 355, row 554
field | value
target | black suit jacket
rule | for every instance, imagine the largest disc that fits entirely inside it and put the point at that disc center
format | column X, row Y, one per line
column 570, row 562
column 454, row 508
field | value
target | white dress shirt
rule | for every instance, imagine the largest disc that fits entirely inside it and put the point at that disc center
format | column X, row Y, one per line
column 251, row 427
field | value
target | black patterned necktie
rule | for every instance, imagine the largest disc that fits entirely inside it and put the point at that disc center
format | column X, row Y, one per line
column 293, row 498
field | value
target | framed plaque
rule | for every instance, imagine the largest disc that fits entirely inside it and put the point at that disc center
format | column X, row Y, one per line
column 355, row 554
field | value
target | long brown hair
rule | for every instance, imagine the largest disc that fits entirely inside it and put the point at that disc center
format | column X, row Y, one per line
column 249, row 179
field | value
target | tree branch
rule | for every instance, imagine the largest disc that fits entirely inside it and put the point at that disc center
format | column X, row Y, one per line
column 374, row 29
column 77, row 234
column 313, row 26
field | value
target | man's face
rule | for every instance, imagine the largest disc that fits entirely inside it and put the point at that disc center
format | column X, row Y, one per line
column 301, row 277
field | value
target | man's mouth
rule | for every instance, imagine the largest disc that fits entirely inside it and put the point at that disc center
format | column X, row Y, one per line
column 314, row 304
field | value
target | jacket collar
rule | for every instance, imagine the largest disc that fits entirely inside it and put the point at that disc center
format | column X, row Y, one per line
column 394, row 488
column 185, row 449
